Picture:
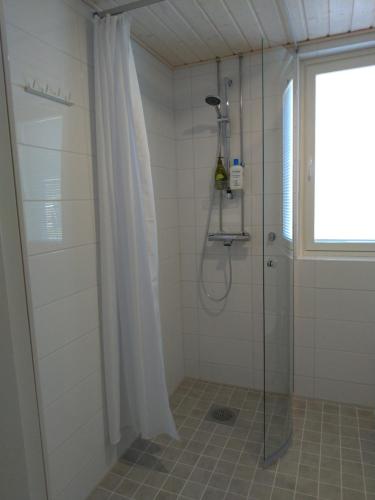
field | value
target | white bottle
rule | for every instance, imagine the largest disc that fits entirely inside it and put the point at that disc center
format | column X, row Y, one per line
column 236, row 175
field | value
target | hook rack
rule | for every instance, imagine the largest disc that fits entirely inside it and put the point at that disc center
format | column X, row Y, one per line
column 47, row 93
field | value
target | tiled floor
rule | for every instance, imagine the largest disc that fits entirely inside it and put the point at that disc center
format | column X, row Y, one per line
column 332, row 455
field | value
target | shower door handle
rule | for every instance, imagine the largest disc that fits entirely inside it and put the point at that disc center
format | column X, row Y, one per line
column 271, row 263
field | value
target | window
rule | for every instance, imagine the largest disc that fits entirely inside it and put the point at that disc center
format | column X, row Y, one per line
column 339, row 154
column 288, row 162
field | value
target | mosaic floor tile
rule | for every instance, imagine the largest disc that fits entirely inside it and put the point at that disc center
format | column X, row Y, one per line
column 331, row 457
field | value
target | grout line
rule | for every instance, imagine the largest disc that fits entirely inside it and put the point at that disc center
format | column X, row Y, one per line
column 361, row 455
column 58, row 150
column 300, row 449
column 321, row 439
column 340, row 456
column 62, row 249
column 56, row 200
column 78, row 429
column 69, row 389
column 67, row 296
column 48, row 44
column 71, row 341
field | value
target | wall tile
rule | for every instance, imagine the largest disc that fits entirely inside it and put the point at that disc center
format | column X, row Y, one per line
column 345, row 392
column 304, row 361
column 304, row 332
column 345, row 335
column 63, row 369
column 184, row 155
column 345, row 366
column 226, row 374
column 69, row 271
column 347, row 305
column 185, row 180
column 304, row 386
column 304, row 302
column 191, row 346
column 58, row 26
column 43, row 123
column 353, row 275
column 224, row 351
column 54, row 175
column 72, row 410
column 55, row 225
column 65, row 320
column 203, row 84
column 68, row 459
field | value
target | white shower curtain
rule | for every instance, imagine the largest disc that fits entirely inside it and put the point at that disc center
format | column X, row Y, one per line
column 135, row 386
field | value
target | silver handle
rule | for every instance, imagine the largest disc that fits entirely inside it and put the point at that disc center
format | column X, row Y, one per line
column 271, row 236
column 271, row 263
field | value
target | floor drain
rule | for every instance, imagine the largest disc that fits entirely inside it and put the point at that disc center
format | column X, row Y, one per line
column 222, row 415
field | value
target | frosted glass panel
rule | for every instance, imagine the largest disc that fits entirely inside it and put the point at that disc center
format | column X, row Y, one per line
column 278, row 266
column 344, row 156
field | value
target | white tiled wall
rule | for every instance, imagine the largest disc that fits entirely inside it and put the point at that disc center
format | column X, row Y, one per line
column 223, row 343
column 335, row 330
column 334, row 300
column 49, row 42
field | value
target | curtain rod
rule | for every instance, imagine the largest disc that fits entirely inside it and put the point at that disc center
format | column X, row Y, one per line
column 125, row 8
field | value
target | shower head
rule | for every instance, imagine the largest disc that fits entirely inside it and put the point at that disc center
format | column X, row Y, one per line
column 214, row 100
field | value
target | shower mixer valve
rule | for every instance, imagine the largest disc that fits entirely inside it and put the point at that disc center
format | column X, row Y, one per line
column 228, row 238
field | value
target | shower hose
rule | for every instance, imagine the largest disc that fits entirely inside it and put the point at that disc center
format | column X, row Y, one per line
column 204, row 248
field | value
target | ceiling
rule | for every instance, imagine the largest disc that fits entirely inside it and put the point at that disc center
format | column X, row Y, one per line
column 187, row 31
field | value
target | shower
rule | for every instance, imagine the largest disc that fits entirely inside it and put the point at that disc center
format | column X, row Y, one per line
column 214, row 100
column 222, row 151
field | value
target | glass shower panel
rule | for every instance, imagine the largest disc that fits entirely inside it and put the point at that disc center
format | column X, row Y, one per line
column 277, row 82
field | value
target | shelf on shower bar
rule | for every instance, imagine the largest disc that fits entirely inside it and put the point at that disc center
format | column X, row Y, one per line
column 228, row 237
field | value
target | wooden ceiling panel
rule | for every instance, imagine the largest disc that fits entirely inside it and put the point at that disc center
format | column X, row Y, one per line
column 270, row 17
column 317, row 17
column 188, row 31
column 184, row 30
column 166, row 33
column 221, row 17
column 197, row 17
column 363, row 14
column 340, row 16
column 294, row 13
column 244, row 15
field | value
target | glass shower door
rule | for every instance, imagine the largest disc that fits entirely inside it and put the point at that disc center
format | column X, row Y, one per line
column 277, row 79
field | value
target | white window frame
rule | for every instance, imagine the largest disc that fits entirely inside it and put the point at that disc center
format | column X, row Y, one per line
column 309, row 69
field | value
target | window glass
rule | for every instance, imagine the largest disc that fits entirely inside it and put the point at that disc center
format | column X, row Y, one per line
column 344, row 173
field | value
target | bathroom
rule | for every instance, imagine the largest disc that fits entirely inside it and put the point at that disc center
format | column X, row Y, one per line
column 187, row 250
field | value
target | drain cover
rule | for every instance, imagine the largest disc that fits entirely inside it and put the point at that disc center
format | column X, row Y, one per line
column 222, row 415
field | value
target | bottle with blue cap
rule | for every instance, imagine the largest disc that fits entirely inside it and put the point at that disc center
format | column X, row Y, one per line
column 236, row 175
